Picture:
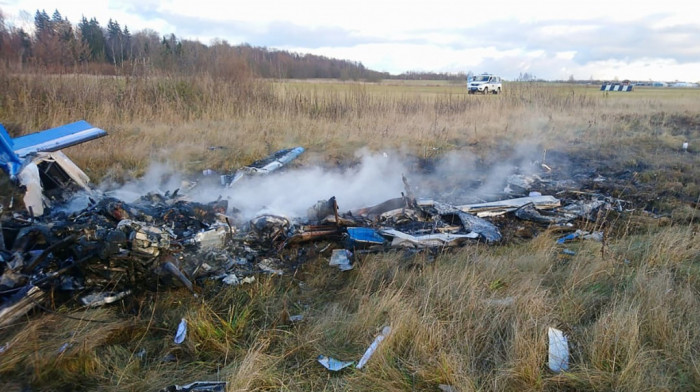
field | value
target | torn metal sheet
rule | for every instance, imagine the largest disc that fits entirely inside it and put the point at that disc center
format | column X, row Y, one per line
column 270, row 227
column 173, row 270
column 501, row 207
column 264, row 166
column 584, row 209
column 50, row 177
column 99, row 299
column 381, row 208
column 198, row 386
column 530, row 213
column 399, row 216
column 373, row 347
column 471, row 223
column 323, row 209
column 426, row 241
column 333, row 364
column 484, row 228
column 59, row 171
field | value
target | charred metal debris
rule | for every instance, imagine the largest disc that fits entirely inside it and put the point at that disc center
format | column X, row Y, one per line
column 111, row 249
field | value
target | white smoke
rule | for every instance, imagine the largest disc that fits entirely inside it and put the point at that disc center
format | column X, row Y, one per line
column 159, row 178
column 374, row 179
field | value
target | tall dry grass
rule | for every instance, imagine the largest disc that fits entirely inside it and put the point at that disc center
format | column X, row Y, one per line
column 178, row 118
column 475, row 318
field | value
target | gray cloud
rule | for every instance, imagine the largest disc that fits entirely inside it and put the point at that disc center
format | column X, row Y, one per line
column 593, row 40
column 273, row 34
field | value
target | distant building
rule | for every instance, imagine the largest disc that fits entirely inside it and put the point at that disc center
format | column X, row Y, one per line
column 684, row 84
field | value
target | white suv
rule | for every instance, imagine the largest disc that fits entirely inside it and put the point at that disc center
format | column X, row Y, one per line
column 484, row 83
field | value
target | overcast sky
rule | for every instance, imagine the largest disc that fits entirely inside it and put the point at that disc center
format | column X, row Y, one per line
column 639, row 40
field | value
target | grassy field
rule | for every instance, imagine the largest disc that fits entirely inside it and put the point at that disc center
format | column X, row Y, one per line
column 629, row 305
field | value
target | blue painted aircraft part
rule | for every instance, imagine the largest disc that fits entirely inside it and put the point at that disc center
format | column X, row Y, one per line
column 364, row 236
column 9, row 161
column 13, row 151
column 568, row 237
column 57, row 138
column 292, row 154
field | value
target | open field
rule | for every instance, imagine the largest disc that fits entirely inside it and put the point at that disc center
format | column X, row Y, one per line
column 629, row 304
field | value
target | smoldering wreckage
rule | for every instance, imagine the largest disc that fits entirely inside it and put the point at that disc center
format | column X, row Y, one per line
column 110, row 249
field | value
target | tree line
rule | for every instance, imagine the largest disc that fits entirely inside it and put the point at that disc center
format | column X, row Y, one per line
column 56, row 45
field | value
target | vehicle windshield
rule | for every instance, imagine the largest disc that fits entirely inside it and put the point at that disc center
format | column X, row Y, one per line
column 481, row 78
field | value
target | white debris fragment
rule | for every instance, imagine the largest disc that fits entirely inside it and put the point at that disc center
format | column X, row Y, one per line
column 373, row 347
column 33, row 196
column 501, row 207
column 428, row 240
column 333, row 364
column 558, row 351
column 64, row 347
column 341, row 259
column 181, row 332
column 296, row 318
column 269, row 265
column 231, row 279
column 212, row 239
column 99, row 299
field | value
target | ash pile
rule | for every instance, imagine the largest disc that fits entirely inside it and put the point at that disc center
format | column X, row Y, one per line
column 107, row 249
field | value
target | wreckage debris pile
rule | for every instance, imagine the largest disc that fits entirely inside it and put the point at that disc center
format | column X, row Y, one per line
column 111, row 249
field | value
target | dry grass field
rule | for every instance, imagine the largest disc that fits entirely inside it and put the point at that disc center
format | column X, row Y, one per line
column 629, row 305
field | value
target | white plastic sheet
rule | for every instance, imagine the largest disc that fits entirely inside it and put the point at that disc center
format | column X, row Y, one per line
column 558, row 351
